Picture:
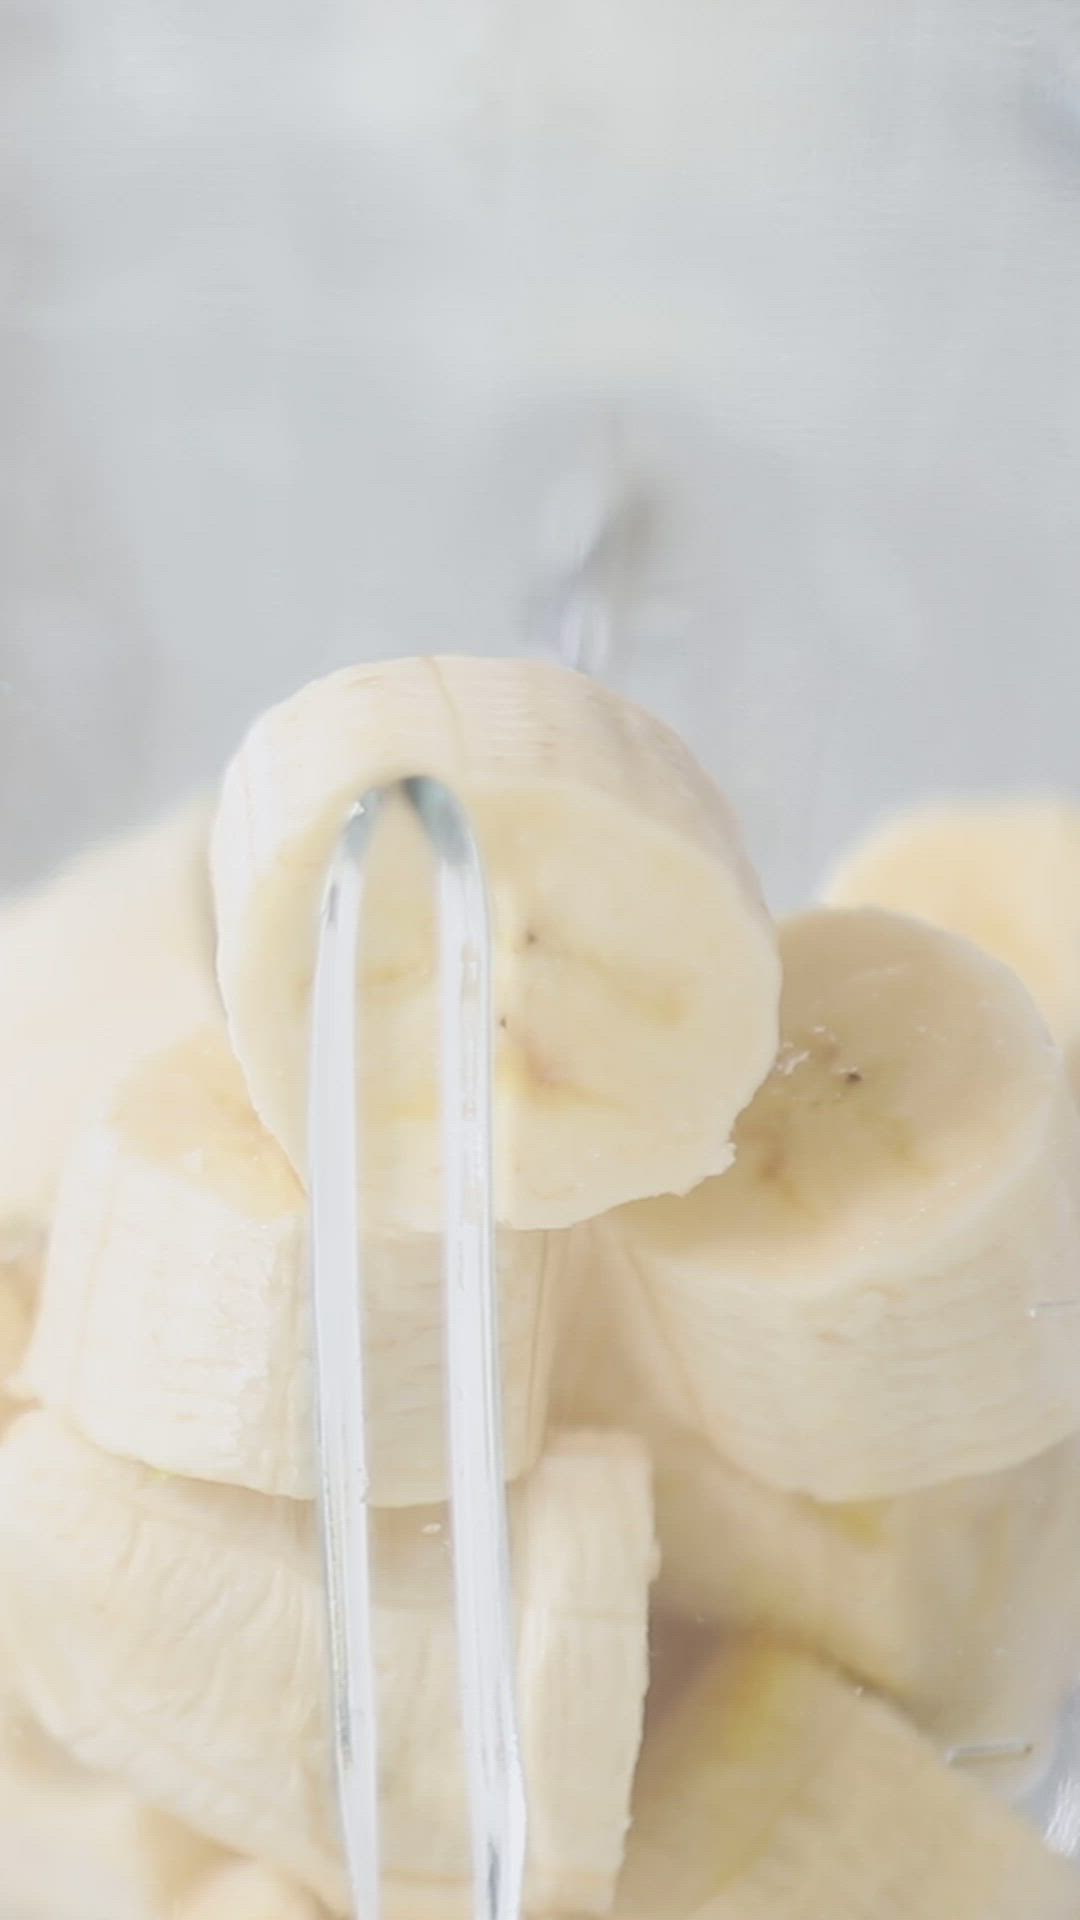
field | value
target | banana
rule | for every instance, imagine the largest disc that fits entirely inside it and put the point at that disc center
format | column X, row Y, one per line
column 961, row 1601
column 774, row 1790
column 1004, row 872
column 77, row 1847
column 21, row 1261
column 171, row 1634
column 112, row 956
column 853, row 1311
column 174, row 1324
column 245, row 1890
column 636, row 978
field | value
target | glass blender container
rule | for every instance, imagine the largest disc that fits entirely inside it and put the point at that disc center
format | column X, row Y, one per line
column 726, row 356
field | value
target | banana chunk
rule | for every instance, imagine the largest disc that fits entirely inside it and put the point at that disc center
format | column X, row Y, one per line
column 773, row 1790
column 112, row 956
column 171, row 1633
column 1004, row 872
column 961, row 1601
column 852, row 1311
column 636, row 978
column 74, row 1846
column 22, row 1255
column 246, row 1890
column 174, row 1325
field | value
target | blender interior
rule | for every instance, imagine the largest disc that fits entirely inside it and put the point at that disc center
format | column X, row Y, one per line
column 727, row 356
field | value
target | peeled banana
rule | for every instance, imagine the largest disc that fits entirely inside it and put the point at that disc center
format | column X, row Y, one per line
column 774, row 1790
column 171, row 1633
column 961, row 1601
column 636, row 977
column 77, row 1847
column 21, row 1260
column 854, row 1310
column 245, row 1890
column 174, row 1323
column 1004, row 872
column 112, row 956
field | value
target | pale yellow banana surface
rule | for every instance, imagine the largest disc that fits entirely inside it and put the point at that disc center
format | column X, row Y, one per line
column 636, row 977
column 77, row 1846
column 110, row 957
column 853, row 1310
column 1005, row 872
column 246, row 1890
column 21, row 1262
column 171, row 1633
column 961, row 1601
column 174, row 1325
column 773, row 1790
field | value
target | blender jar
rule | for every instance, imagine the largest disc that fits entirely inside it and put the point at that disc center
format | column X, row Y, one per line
column 727, row 356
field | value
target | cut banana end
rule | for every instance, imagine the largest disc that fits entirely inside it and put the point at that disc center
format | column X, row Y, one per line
column 852, row 1310
column 1004, row 872
column 636, row 977
column 174, row 1325
column 961, row 1601
column 77, row 1847
column 246, row 1890
column 172, row 1634
column 111, row 957
column 776, row 1791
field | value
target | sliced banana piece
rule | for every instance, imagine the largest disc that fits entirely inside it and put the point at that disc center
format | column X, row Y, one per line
column 174, row 1324
column 112, row 956
column 74, row 1846
column 22, row 1257
column 246, row 1890
column 961, row 1601
column 853, row 1310
column 172, row 1633
column 636, row 977
column 776, row 1791
column 1004, row 872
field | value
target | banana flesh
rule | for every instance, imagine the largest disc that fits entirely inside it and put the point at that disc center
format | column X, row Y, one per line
column 21, row 1260
column 171, row 1634
column 851, row 1311
column 246, row 1890
column 174, row 1323
column 1006, row 873
column 77, row 1847
column 633, row 1020
column 112, row 956
column 774, row 1790
column 960, row 1601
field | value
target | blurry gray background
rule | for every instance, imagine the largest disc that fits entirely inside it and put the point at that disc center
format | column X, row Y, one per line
column 336, row 327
